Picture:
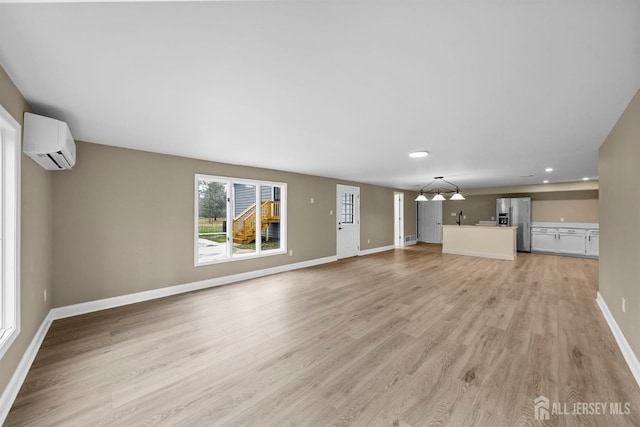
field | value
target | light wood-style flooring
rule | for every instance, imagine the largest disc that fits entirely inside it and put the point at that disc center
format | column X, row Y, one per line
column 401, row 338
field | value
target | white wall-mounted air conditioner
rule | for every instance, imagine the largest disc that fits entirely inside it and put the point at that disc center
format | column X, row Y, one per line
column 48, row 142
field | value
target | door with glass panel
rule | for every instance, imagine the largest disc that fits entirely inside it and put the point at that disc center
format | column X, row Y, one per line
column 347, row 221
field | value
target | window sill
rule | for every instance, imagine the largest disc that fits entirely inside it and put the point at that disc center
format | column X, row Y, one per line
column 7, row 337
column 242, row 257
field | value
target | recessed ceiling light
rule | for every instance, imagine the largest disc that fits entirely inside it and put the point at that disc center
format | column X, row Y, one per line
column 586, row 178
column 548, row 170
column 418, row 154
column 545, row 181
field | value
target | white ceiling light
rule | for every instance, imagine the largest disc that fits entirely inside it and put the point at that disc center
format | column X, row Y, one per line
column 418, row 154
column 421, row 198
column 548, row 170
column 457, row 196
column 438, row 197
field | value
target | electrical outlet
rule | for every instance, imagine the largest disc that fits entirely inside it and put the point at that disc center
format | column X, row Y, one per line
column 624, row 305
column 368, row 240
column 493, row 218
column 453, row 214
column 331, row 212
column 561, row 219
column 312, row 201
column 290, row 252
column 464, row 217
column 45, row 294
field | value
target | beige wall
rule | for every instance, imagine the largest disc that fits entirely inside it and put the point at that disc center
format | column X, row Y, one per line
column 36, row 235
column 582, row 210
column 573, row 206
column 123, row 222
column 619, row 218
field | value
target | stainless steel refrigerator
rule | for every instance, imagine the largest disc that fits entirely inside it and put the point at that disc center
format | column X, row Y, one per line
column 516, row 212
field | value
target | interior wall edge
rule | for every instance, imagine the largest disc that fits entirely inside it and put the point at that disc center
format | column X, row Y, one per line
column 36, row 246
column 20, row 374
column 534, row 188
column 628, row 353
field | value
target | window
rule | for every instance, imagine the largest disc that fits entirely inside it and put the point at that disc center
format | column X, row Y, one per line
column 238, row 219
column 9, row 225
column 347, row 208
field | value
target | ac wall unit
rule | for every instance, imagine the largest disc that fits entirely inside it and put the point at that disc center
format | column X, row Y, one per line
column 48, row 142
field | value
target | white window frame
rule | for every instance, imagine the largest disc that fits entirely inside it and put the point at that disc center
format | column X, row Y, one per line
column 229, row 182
column 10, row 133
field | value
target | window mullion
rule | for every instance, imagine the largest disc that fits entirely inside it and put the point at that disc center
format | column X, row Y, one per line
column 258, row 218
column 230, row 215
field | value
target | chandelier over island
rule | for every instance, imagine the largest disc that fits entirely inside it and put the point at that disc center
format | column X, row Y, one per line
column 438, row 187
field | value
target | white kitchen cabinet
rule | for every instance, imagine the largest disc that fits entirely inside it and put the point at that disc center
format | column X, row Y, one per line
column 544, row 239
column 572, row 241
column 593, row 243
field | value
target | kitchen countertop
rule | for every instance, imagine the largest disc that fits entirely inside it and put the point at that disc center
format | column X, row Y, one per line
column 589, row 225
column 481, row 225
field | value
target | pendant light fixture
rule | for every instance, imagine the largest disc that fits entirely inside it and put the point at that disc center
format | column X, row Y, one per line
column 436, row 187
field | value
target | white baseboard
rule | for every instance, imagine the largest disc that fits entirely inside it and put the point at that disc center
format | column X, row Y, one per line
column 106, row 303
column 480, row 254
column 626, row 349
column 13, row 388
column 376, row 250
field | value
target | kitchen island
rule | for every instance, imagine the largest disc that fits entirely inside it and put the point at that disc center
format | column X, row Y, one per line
column 480, row 240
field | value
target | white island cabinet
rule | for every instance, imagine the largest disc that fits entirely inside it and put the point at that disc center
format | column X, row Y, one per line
column 577, row 239
column 480, row 241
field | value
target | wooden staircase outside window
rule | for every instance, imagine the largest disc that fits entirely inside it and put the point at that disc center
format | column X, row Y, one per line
column 244, row 225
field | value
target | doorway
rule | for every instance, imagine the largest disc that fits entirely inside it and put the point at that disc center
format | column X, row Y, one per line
column 398, row 220
column 430, row 221
column 348, row 221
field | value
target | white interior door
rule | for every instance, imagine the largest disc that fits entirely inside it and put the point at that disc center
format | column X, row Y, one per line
column 398, row 215
column 348, row 221
column 430, row 221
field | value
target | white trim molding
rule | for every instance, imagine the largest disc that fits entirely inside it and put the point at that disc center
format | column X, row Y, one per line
column 10, row 164
column 119, row 301
column 625, row 348
column 376, row 250
column 480, row 254
column 13, row 388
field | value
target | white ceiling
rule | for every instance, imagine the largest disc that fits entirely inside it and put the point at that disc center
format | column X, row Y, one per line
column 493, row 89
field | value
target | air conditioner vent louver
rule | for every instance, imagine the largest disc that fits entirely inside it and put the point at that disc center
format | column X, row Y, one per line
column 49, row 142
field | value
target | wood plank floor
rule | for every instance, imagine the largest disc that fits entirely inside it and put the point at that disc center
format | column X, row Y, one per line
column 402, row 338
